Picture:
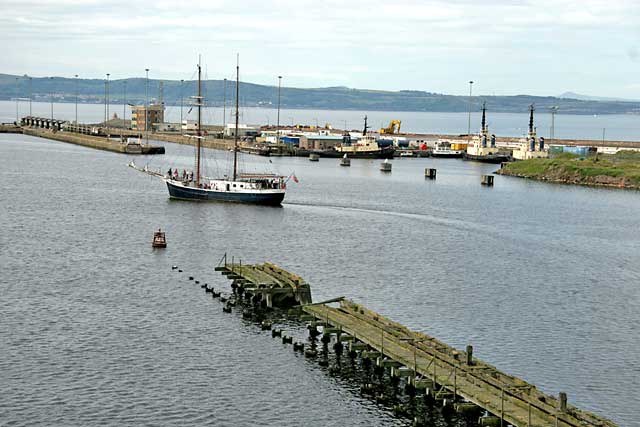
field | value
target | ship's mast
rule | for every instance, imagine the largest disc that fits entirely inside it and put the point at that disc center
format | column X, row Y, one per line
column 531, row 108
column 484, row 121
column 235, row 144
column 364, row 132
column 198, row 132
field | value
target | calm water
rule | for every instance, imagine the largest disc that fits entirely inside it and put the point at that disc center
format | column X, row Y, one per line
column 616, row 127
column 97, row 329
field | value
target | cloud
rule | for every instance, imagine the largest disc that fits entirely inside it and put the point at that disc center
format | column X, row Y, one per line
column 375, row 43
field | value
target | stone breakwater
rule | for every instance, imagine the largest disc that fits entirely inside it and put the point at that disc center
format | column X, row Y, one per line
column 97, row 142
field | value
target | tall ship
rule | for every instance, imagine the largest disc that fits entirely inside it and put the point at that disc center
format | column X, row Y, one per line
column 482, row 147
column 262, row 189
column 365, row 147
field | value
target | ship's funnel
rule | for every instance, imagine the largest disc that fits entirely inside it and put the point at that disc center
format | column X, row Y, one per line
column 493, row 141
column 541, row 140
column 484, row 141
column 532, row 144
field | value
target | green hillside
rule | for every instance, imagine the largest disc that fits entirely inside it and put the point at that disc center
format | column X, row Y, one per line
column 331, row 98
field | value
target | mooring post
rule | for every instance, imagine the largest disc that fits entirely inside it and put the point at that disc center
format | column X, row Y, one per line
column 434, row 371
column 502, row 407
column 563, row 402
column 469, row 355
column 455, row 383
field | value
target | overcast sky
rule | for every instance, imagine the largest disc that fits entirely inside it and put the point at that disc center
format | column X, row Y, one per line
column 540, row 47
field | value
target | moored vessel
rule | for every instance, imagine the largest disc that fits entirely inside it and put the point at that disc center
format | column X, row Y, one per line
column 443, row 148
column 365, row 147
column 481, row 150
column 531, row 147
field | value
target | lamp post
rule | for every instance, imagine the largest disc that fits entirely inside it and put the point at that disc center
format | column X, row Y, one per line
column 107, row 103
column 30, row 93
column 124, row 104
column 17, row 94
column 224, row 107
column 181, row 101
column 76, row 81
column 104, row 107
column 51, row 97
column 278, row 120
column 146, row 101
column 554, row 110
column 469, row 122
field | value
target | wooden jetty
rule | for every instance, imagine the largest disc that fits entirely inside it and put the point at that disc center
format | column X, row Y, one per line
column 444, row 372
column 266, row 284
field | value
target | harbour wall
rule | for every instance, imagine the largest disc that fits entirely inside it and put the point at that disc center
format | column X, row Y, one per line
column 99, row 143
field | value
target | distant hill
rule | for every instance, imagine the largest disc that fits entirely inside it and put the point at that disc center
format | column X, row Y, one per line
column 63, row 89
column 573, row 95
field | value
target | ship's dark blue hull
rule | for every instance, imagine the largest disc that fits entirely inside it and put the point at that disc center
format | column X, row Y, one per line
column 198, row 194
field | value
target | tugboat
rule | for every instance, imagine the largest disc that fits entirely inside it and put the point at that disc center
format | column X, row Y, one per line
column 365, row 147
column 159, row 239
column 527, row 149
column 478, row 149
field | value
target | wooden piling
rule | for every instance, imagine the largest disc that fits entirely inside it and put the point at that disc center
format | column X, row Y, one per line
column 430, row 173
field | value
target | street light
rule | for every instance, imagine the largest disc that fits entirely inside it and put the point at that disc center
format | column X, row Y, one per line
column 30, row 93
column 124, row 105
column 76, row 81
column 278, row 121
column 469, row 123
column 107, row 101
column 181, row 100
column 554, row 110
column 146, row 101
column 51, row 97
column 17, row 94
column 224, row 106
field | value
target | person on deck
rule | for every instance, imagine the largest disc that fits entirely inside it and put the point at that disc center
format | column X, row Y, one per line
column 170, row 173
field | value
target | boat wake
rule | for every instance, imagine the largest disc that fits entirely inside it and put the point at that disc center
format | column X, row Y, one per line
column 448, row 222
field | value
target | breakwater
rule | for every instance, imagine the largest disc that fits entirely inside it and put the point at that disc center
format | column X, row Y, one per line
column 97, row 142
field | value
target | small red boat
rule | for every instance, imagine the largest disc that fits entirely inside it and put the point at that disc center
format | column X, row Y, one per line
column 159, row 239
